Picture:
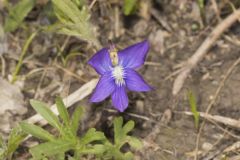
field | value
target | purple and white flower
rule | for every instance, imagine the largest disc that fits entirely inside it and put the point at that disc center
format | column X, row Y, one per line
column 117, row 70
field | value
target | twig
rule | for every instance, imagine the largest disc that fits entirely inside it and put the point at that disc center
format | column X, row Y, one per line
column 234, row 146
column 40, row 83
column 117, row 22
column 132, row 115
column 152, row 63
column 79, row 78
column 220, row 119
column 216, row 10
column 92, row 4
column 203, row 49
column 160, row 20
column 213, row 101
column 76, row 96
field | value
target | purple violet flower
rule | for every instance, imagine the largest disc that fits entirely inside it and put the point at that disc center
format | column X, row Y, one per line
column 117, row 70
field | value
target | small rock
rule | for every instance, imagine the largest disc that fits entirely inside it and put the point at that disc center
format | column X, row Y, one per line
column 167, row 116
column 140, row 28
column 207, row 146
column 157, row 40
column 11, row 105
column 140, row 106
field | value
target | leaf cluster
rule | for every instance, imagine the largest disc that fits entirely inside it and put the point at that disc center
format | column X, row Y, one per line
column 73, row 19
column 7, row 149
column 91, row 143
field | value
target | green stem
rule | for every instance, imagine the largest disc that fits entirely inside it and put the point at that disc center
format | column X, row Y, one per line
column 20, row 62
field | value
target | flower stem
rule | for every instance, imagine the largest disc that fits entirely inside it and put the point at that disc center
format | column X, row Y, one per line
column 24, row 51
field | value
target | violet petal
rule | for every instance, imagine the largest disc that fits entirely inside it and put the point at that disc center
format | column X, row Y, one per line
column 120, row 98
column 134, row 56
column 104, row 88
column 101, row 61
column 135, row 82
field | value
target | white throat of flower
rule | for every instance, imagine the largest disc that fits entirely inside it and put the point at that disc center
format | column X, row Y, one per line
column 118, row 71
column 119, row 75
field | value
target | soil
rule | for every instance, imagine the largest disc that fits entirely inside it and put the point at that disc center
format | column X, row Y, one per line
column 175, row 29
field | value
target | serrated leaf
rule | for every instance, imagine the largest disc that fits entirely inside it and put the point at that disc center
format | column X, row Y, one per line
column 193, row 105
column 17, row 14
column 62, row 110
column 92, row 135
column 118, row 131
column 128, row 127
column 36, row 131
column 76, row 117
column 15, row 138
column 134, row 142
column 74, row 21
column 51, row 148
column 46, row 113
column 129, row 6
column 67, row 9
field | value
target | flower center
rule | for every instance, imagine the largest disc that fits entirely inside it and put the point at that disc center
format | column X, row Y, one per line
column 119, row 75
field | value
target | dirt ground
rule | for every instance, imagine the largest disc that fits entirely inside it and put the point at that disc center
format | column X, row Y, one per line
column 175, row 30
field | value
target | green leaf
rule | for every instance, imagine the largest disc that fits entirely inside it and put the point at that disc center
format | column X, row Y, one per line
column 46, row 113
column 118, row 132
column 62, row 110
column 36, row 131
column 128, row 127
column 3, row 148
column 79, row 3
column 129, row 6
column 201, row 6
column 74, row 21
column 92, row 135
column 51, row 148
column 66, row 9
column 17, row 14
column 1, row 142
column 96, row 149
column 60, row 156
column 193, row 105
column 76, row 117
column 128, row 156
column 15, row 138
column 134, row 142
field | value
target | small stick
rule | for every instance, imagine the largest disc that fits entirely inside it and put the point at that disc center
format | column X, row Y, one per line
column 132, row 114
column 92, row 4
column 234, row 146
column 220, row 119
column 117, row 22
column 203, row 49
